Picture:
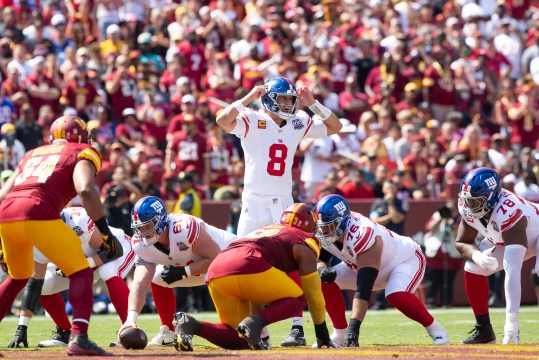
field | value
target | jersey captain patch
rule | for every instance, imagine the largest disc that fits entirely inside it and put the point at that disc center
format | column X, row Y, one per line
column 261, row 124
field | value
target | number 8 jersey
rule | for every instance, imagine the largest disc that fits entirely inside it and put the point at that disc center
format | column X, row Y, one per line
column 507, row 212
column 46, row 180
column 269, row 149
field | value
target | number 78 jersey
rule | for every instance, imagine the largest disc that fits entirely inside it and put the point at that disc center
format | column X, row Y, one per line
column 269, row 149
column 507, row 212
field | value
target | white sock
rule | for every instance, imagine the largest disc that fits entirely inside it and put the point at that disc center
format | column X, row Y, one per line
column 338, row 334
column 435, row 326
column 297, row 321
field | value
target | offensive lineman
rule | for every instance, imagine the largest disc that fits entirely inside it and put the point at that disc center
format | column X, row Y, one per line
column 184, row 244
column 51, row 282
column 373, row 258
column 269, row 140
column 510, row 226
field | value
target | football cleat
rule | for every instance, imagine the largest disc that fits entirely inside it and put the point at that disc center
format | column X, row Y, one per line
column 165, row 337
column 296, row 338
column 59, row 338
column 81, row 345
column 185, row 326
column 250, row 329
column 480, row 335
column 265, row 337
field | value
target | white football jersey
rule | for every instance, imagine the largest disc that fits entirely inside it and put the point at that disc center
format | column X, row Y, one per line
column 77, row 218
column 183, row 231
column 269, row 149
column 360, row 236
column 507, row 212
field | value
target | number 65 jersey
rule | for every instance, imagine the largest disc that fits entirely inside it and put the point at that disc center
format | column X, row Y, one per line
column 269, row 149
column 46, row 180
column 507, row 212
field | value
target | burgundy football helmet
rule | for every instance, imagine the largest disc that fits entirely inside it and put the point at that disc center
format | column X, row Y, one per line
column 300, row 215
column 70, row 128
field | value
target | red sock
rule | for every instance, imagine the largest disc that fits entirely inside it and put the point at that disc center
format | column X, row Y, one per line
column 165, row 304
column 223, row 336
column 119, row 295
column 283, row 309
column 477, row 290
column 295, row 276
column 81, row 297
column 54, row 304
column 409, row 304
column 9, row 290
column 335, row 305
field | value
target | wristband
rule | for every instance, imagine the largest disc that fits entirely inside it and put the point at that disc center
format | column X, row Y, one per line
column 103, row 226
column 353, row 326
column 238, row 105
column 187, row 270
column 132, row 316
column 91, row 262
column 318, row 109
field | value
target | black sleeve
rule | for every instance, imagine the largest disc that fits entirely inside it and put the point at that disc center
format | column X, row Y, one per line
column 325, row 256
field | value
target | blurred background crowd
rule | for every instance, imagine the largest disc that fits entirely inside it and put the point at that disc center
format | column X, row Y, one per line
column 426, row 90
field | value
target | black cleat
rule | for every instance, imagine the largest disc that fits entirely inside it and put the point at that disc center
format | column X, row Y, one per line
column 296, row 338
column 59, row 338
column 481, row 334
column 80, row 345
column 250, row 329
column 185, row 326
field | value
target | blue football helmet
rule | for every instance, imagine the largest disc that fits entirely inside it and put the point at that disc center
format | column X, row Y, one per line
column 280, row 86
column 149, row 219
column 333, row 214
column 480, row 191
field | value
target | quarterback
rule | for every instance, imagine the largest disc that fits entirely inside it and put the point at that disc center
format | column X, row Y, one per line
column 269, row 139
column 510, row 227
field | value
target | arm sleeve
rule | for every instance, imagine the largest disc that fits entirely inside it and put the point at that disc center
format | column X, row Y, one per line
column 312, row 286
column 512, row 263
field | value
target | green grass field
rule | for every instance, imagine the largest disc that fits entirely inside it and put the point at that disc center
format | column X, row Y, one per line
column 388, row 327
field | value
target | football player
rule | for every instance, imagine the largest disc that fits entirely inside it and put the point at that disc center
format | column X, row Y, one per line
column 254, row 269
column 373, row 258
column 46, row 179
column 51, row 281
column 269, row 139
column 171, row 250
column 510, row 227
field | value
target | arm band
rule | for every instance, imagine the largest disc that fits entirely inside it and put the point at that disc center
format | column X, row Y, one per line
column 103, row 226
column 238, row 105
column 353, row 326
column 318, row 109
column 132, row 316
column 32, row 292
column 312, row 287
column 365, row 281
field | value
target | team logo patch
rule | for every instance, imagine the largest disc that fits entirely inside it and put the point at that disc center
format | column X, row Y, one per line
column 261, row 124
column 182, row 246
column 78, row 230
column 298, row 125
column 275, row 200
column 340, row 207
column 491, row 183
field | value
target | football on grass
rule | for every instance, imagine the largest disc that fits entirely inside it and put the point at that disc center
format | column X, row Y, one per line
column 133, row 338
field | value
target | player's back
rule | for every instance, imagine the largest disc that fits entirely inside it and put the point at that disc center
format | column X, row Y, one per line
column 273, row 244
column 45, row 182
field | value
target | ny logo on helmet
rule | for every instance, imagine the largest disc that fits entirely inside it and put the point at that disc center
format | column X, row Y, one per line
column 491, row 183
column 340, row 207
column 157, row 206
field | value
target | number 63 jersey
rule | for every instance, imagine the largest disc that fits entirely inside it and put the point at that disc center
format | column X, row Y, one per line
column 45, row 180
column 269, row 149
column 507, row 212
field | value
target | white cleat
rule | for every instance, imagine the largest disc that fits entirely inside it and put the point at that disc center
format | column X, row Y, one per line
column 438, row 334
column 165, row 337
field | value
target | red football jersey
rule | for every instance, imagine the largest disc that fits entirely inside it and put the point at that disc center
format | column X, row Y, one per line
column 44, row 185
column 270, row 246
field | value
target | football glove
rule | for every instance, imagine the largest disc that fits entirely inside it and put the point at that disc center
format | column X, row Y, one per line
column 351, row 340
column 172, row 274
column 112, row 248
column 327, row 274
column 322, row 337
column 20, row 338
column 484, row 260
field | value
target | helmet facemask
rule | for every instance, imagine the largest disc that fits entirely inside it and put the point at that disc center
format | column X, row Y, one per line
column 329, row 232
column 476, row 205
column 149, row 231
column 283, row 109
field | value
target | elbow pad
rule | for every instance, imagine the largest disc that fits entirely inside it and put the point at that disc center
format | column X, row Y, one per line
column 312, row 287
column 365, row 281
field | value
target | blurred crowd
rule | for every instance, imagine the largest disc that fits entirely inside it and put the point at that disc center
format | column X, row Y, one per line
column 426, row 90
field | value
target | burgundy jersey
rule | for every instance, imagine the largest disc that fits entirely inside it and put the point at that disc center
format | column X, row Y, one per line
column 270, row 246
column 44, row 185
column 124, row 97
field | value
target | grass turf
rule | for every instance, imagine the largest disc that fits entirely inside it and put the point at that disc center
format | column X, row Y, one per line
column 388, row 327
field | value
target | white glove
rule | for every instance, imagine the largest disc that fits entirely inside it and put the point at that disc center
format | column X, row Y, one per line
column 484, row 259
column 511, row 333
